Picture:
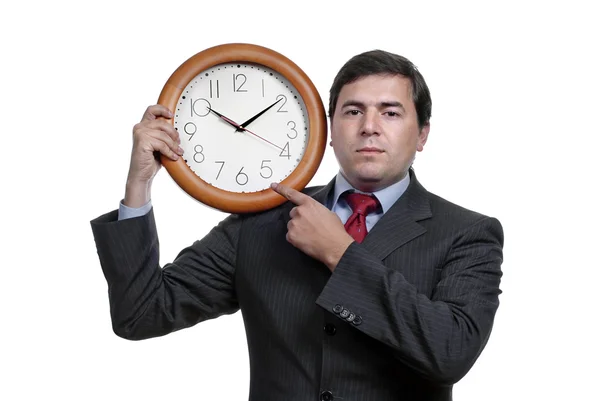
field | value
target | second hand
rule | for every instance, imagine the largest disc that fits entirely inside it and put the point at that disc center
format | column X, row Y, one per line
column 258, row 136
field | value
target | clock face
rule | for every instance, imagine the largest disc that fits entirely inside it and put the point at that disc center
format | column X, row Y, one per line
column 228, row 95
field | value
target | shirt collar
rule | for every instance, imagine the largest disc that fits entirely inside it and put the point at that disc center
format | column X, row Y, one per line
column 386, row 196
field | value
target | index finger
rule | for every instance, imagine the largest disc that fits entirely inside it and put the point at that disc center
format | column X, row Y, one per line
column 291, row 194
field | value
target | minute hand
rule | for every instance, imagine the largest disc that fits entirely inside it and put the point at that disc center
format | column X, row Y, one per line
column 246, row 123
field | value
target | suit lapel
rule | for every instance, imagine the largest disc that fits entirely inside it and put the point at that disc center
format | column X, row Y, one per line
column 322, row 195
column 400, row 224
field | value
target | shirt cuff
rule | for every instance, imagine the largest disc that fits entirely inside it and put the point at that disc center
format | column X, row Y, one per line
column 126, row 212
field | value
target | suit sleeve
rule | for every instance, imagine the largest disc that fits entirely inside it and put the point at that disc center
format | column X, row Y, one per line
column 149, row 301
column 439, row 338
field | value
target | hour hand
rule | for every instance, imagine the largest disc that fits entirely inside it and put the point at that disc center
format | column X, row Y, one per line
column 226, row 119
column 246, row 123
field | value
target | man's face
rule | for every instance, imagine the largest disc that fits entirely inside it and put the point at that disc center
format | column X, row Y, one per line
column 375, row 132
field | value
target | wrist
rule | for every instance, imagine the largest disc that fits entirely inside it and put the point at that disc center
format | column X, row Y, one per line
column 336, row 252
column 137, row 193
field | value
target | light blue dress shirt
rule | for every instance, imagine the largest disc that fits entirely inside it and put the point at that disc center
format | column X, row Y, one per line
column 387, row 197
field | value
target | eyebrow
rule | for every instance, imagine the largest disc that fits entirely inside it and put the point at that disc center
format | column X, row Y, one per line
column 357, row 103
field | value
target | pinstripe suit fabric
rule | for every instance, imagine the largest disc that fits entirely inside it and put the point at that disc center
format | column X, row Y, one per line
column 423, row 290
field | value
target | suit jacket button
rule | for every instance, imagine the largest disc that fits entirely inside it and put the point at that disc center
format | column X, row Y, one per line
column 357, row 320
column 329, row 329
column 351, row 317
column 345, row 313
column 337, row 308
column 326, row 396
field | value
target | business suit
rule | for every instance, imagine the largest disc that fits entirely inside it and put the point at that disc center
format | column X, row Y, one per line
column 403, row 316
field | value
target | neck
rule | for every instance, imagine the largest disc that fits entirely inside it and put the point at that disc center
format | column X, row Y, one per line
column 372, row 186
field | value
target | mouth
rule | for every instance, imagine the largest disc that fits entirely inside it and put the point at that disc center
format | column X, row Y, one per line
column 370, row 150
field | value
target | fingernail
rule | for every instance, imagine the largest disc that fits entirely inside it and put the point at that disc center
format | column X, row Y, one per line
column 180, row 151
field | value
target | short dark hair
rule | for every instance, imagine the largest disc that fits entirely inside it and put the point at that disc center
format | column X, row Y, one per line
column 380, row 62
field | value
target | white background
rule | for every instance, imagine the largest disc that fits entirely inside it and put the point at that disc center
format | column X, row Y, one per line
column 514, row 135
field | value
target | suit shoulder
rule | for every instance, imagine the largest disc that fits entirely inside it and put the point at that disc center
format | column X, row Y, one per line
column 312, row 191
column 459, row 220
column 457, row 214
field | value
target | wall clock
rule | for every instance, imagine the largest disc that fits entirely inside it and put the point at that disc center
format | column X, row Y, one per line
column 247, row 116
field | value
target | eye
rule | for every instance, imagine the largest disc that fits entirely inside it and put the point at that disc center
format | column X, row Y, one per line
column 352, row 112
column 392, row 114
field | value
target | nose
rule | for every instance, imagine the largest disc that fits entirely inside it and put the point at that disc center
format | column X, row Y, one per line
column 370, row 123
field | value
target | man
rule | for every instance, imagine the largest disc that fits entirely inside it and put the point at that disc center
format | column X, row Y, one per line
column 401, row 313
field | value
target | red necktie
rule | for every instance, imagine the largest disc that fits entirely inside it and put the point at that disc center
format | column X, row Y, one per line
column 361, row 206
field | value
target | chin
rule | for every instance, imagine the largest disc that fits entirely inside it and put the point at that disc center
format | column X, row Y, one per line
column 369, row 173
column 367, row 183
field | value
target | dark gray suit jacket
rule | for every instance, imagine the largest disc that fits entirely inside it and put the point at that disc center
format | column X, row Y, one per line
column 404, row 315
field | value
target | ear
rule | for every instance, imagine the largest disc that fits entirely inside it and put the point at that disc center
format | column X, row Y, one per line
column 423, row 135
column 331, row 131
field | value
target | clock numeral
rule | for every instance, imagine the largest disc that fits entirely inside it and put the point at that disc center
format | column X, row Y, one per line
column 263, row 88
column 241, row 82
column 198, row 152
column 241, row 176
column 219, row 173
column 216, row 88
column 280, row 109
column 267, row 168
column 293, row 128
column 285, row 152
column 202, row 107
column 190, row 129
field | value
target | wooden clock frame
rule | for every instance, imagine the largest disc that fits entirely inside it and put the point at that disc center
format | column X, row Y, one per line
column 233, row 202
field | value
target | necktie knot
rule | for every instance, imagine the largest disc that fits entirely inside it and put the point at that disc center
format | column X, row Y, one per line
column 361, row 203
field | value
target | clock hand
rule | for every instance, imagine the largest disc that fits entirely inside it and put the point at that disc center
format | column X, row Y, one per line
column 241, row 129
column 246, row 123
column 226, row 119
column 250, row 132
